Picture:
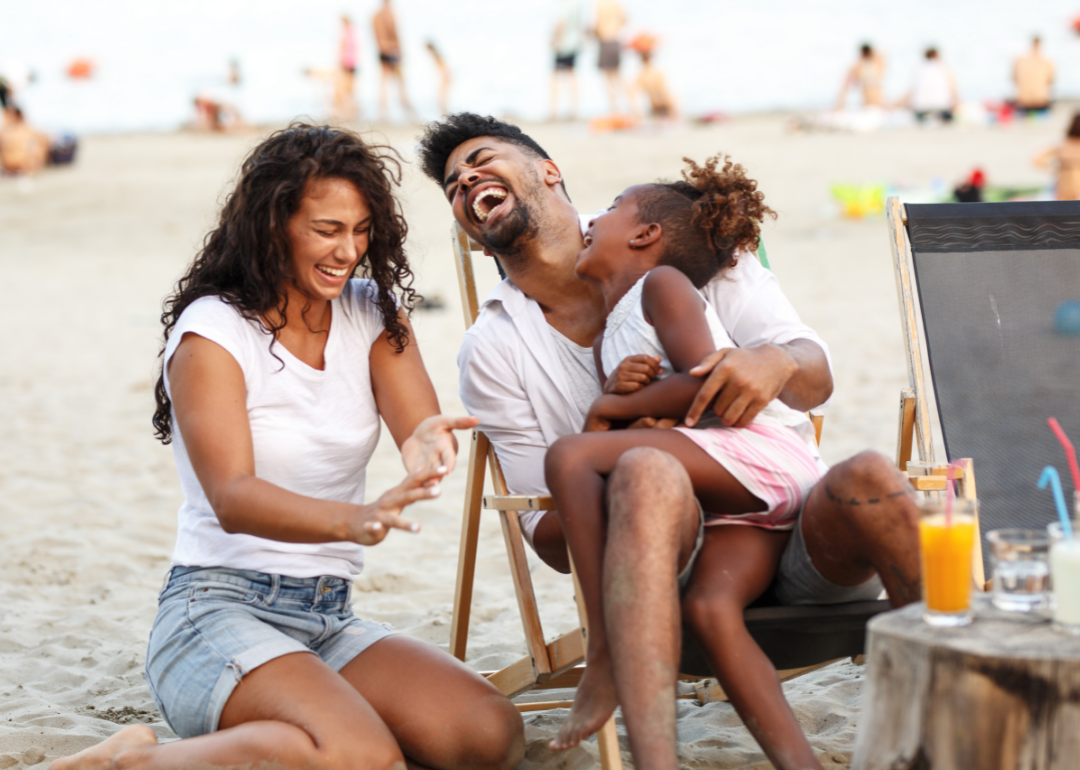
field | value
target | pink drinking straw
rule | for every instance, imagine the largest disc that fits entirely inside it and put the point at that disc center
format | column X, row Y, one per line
column 1070, row 453
column 950, row 495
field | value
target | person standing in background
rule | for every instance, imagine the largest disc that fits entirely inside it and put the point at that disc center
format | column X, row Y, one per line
column 386, row 38
column 868, row 75
column 1066, row 161
column 1033, row 74
column 442, row 96
column 566, row 41
column 610, row 21
column 934, row 91
column 345, row 108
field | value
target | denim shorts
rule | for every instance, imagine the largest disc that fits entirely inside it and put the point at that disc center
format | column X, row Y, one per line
column 216, row 624
column 798, row 581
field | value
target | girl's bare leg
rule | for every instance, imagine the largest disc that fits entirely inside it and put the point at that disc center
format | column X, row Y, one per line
column 576, row 467
column 293, row 712
column 735, row 566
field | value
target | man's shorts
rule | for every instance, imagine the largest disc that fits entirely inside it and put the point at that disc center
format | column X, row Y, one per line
column 799, row 582
column 565, row 62
column 684, row 576
column 214, row 625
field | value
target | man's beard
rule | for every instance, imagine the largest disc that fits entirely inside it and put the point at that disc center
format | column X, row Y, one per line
column 509, row 239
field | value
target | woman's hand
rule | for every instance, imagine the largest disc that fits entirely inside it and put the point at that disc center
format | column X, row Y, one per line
column 432, row 444
column 375, row 521
column 632, row 374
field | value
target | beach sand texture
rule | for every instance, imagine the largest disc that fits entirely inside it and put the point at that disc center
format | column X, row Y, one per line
column 87, row 513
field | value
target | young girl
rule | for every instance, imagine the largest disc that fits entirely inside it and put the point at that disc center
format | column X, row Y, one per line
column 650, row 253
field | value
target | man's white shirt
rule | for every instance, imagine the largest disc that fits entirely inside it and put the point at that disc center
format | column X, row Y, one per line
column 511, row 377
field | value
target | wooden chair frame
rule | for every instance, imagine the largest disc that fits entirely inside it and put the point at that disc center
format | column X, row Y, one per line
column 914, row 421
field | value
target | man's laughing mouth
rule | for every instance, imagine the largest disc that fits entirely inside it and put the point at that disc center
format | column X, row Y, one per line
column 486, row 201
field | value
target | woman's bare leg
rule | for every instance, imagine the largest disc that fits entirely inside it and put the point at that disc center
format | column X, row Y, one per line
column 292, row 712
column 457, row 720
column 576, row 467
column 735, row 566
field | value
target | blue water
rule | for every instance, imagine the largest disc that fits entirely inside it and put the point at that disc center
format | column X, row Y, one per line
column 153, row 57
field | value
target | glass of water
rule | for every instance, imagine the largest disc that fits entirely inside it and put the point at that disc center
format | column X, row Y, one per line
column 1021, row 570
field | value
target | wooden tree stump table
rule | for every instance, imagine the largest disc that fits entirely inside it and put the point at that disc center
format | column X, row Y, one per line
column 1002, row 693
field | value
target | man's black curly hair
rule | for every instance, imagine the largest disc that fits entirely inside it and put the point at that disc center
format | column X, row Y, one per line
column 443, row 137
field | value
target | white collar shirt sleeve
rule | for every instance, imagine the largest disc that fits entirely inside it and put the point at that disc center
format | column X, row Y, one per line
column 511, row 381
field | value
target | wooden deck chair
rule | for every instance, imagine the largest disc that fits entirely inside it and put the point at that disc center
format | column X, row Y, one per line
column 979, row 285
column 796, row 639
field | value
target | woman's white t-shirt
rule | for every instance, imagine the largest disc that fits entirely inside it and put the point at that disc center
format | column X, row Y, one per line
column 313, row 432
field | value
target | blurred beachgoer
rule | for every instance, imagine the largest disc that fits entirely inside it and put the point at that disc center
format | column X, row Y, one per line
column 215, row 114
column 442, row 96
column 652, row 84
column 566, row 41
column 23, row 150
column 868, row 76
column 345, row 108
column 934, row 91
column 15, row 76
column 1033, row 74
column 610, row 21
column 1065, row 159
column 386, row 38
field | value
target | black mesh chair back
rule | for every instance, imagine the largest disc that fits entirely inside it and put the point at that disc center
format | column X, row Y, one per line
column 999, row 292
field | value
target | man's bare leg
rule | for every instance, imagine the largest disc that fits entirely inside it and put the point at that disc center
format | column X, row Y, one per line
column 576, row 468
column 861, row 518
column 653, row 522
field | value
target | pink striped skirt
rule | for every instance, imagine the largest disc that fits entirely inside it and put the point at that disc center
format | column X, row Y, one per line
column 773, row 462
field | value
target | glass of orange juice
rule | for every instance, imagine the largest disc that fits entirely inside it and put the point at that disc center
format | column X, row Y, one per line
column 946, row 545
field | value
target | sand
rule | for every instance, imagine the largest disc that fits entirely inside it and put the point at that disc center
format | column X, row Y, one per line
column 87, row 514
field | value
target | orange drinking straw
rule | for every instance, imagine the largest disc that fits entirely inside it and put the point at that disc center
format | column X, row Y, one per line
column 1070, row 453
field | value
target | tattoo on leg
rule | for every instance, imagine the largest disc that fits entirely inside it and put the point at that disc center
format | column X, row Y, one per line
column 854, row 501
column 909, row 591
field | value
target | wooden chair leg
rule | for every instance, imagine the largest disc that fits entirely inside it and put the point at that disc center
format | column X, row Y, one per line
column 526, row 595
column 966, row 489
column 905, row 436
column 470, row 535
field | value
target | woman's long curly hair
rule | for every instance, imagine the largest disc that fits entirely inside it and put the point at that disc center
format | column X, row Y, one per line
column 707, row 217
column 245, row 260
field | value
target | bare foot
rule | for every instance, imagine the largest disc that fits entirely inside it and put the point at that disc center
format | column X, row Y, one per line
column 102, row 755
column 594, row 703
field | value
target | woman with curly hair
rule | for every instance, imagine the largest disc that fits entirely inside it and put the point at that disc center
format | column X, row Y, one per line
column 286, row 341
column 650, row 254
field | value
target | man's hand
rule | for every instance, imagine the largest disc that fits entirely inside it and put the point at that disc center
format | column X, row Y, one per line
column 432, row 443
column 742, row 381
column 632, row 374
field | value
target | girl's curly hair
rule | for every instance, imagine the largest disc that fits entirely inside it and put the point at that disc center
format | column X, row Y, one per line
column 245, row 259
column 706, row 217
